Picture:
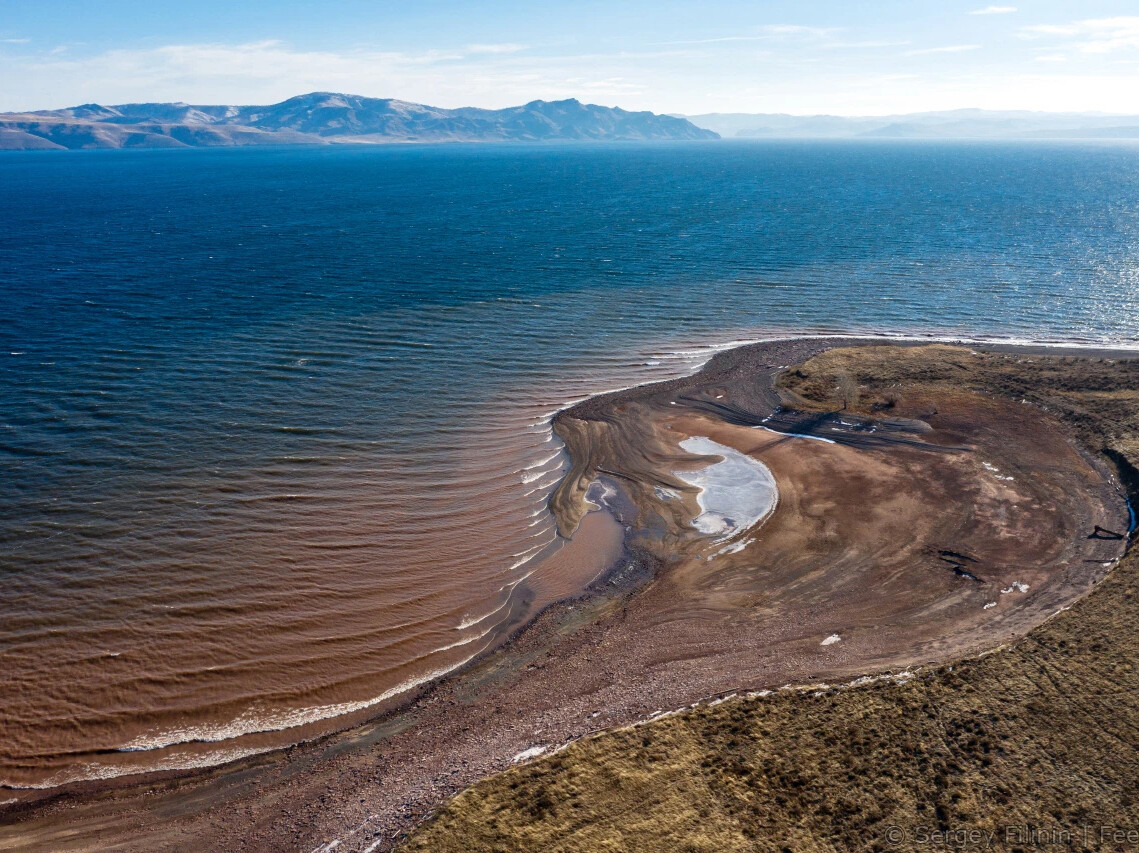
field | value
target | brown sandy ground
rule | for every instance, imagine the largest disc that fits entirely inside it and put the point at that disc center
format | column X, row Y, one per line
column 1034, row 746
column 855, row 548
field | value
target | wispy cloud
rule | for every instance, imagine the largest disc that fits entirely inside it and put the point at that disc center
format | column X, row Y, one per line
column 1094, row 35
column 797, row 30
column 14, row 41
column 861, row 45
column 949, row 48
column 769, row 32
column 717, row 40
column 495, row 48
column 994, row 10
column 269, row 71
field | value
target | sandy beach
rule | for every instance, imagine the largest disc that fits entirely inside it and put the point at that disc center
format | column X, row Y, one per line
column 939, row 526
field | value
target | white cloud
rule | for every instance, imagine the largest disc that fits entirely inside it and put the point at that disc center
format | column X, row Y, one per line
column 795, row 73
column 495, row 48
column 14, row 41
column 860, row 45
column 270, row 71
column 1094, row 35
column 768, row 32
column 994, row 10
column 718, row 40
column 797, row 30
column 949, row 48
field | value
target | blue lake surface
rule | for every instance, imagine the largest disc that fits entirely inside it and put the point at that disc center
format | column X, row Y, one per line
column 273, row 422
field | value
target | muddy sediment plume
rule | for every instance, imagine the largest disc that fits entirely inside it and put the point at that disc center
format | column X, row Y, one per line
column 921, row 518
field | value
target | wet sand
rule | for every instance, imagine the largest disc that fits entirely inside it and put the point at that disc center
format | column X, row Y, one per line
column 895, row 538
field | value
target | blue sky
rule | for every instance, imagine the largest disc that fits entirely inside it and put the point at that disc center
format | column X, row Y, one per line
column 850, row 58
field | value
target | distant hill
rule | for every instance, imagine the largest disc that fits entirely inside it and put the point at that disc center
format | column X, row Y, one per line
column 323, row 117
column 959, row 124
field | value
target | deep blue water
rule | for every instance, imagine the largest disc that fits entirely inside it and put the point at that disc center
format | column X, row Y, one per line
column 232, row 381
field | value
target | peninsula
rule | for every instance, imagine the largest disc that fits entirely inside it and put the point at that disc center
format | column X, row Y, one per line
column 922, row 506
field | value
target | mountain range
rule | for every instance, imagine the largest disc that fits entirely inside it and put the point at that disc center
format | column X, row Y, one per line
column 321, row 118
column 951, row 124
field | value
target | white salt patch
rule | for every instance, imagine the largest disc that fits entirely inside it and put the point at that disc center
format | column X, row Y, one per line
column 722, row 700
column 734, row 547
column 598, row 494
column 736, row 493
column 527, row 754
column 996, row 471
column 796, row 434
column 831, row 640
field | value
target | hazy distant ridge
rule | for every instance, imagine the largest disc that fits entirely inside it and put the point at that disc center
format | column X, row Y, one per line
column 959, row 124
column 323, row 117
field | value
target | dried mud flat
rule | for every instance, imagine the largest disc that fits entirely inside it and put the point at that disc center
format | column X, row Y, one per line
column 945, row 514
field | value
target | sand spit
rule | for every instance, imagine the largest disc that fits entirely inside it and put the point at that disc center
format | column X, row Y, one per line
column 892, row 535
column 1028, row 743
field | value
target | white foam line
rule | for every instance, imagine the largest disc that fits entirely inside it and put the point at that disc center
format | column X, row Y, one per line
column 529, row 551
column 533, row 552
column 250, row 722
column 509, row 588
column 540, row 486
column 467, row 622
column 467, row 641
column 948, row 339
column 527, row 556
column 97, row 771
column 549, row 458
column 519, row 564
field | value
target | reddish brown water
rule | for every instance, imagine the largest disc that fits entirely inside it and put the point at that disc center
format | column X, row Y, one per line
column 241, row 614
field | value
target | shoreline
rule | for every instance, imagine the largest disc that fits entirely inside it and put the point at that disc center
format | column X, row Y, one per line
column 373, row 709
column 622, row 581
